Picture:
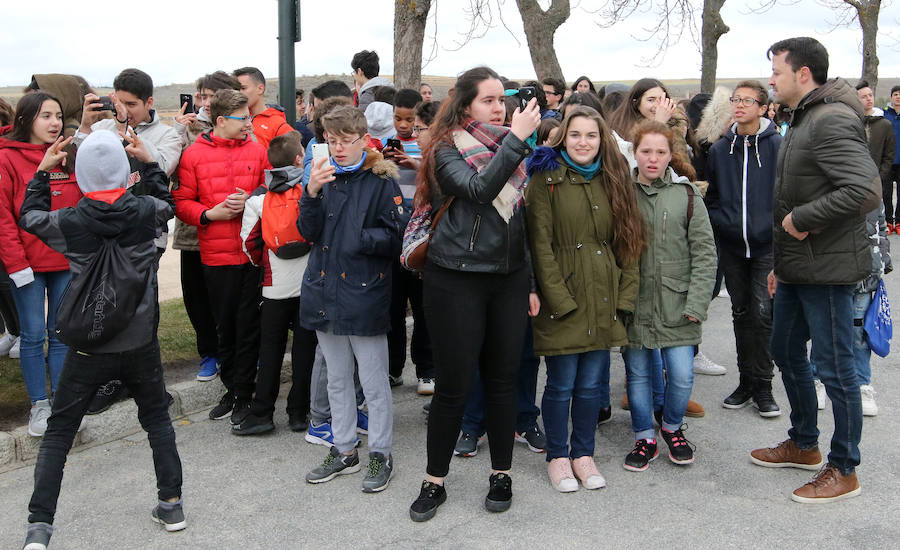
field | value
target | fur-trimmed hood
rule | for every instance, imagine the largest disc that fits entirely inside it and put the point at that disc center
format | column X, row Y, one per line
column 544, row 159
column 379, row 165
column 716, row 116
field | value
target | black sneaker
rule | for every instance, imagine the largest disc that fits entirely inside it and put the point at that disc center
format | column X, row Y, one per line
column 604, row 416
column 241, row 412
column 426, row 408
column 764, row 401
column 534, row 438
column 466, row 445
column 425, row 506
column 378, row 473
column 395, row 380
column 37, row 536
column 224, row 408
column 499, row 496
column 639, row 458
column 253, row 425
column 739, row 398
column 170, row 515
column 106, row 395
column 680, row 449
column 298, row 422
column 335, row 464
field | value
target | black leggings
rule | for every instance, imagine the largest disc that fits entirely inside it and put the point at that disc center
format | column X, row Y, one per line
column 9, row 317
column 476, row 320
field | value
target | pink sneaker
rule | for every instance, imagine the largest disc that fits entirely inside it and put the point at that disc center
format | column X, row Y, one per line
column 587, row 472
column 561, row 476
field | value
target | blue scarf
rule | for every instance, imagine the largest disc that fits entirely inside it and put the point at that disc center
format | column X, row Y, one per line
column 588, row 171
column 348, row 169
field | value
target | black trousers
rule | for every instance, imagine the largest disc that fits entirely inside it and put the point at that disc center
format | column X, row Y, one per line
column 751, row 312
column 197, row 304
column 407, row 287
column 141, row 371
column 476, row 321
column 276, row 318
column 9, row 317
column 234, row 293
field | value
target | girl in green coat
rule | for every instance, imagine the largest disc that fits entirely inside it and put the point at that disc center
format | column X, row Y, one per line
column 678, row 270
column 586, row 236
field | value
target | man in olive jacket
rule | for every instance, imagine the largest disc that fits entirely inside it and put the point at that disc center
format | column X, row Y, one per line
column 825, row 185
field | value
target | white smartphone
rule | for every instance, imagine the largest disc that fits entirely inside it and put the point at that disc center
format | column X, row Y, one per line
column 319, row 151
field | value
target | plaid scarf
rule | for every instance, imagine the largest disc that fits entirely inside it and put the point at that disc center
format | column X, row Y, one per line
column 478, row 143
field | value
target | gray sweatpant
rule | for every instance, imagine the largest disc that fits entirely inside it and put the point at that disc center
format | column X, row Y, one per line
column 371, row 353
column 319, row 408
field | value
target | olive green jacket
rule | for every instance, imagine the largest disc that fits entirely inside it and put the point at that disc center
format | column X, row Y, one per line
column 581, row 283
column 678, row 267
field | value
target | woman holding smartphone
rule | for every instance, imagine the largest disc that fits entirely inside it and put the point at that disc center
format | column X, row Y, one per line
column 477, row 276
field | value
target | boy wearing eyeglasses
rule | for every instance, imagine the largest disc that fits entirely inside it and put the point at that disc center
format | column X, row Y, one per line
column 352, row 212
column 216, row 175
column 741, row 173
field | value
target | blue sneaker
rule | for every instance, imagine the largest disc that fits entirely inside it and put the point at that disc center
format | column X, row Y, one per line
column 320, row 434
column 362, row 422
column 209, row 369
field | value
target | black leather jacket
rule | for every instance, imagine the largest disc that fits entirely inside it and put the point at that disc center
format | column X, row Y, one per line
column 472, row 236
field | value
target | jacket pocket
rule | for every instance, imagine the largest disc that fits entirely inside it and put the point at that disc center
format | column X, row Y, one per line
column 673, row 298
column 364, row 299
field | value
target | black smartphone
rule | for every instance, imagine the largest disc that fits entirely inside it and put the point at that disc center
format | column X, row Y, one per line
column 187, row 99
column 526, row 93
column 394, row 143
column 107, row 103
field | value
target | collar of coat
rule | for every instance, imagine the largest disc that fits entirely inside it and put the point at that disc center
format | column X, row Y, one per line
column 380, row 166
column 553, row 169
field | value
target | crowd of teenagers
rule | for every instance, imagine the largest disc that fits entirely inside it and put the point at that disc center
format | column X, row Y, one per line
column 548, row 221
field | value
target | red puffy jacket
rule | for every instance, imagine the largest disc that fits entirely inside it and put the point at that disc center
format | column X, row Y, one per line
column 269, row 124
column 20, row 249
column 210, row 170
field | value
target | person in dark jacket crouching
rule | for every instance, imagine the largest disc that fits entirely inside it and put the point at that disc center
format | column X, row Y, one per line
column 106, row 212
column 825, row 184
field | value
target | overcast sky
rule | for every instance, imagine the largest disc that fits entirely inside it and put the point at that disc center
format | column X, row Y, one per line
column 166, row 39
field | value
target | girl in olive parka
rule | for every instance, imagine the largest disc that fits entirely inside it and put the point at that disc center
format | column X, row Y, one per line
column 586, row 236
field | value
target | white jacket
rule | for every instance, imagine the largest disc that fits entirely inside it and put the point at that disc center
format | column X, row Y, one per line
column 282, row 278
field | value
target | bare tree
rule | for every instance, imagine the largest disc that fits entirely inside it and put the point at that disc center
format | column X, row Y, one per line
column 540, row 28
column 713, row 27
column 866, row 12
column 410, row 17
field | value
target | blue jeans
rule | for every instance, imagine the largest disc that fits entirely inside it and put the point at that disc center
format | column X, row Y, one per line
column 823, row 314
column 47, row 287
column 658, row 380
column 575, row 381
column 862, row 352
column 639, row 366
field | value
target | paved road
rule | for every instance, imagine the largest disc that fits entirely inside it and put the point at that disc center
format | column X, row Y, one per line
column 249, row 493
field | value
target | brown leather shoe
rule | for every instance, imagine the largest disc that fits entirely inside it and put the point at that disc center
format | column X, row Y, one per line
column 828, row 485
column 694, row 410
column 787, row 455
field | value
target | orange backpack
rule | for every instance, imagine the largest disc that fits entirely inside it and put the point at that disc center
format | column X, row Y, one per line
column 279, row 224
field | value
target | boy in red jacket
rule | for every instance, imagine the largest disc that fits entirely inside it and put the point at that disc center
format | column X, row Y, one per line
column 216, row 175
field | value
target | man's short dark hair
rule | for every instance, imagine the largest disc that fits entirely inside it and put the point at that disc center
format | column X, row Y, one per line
column 762, row 94
column 284, row 149
column 134, row 81
column 254, row 74
column 225, row 102
column 384, row 94
column 219, row 80
column 558, row 85
column 367, row 61
column 331, row 88
column 300, row 93
column 803, row 51
column 407, row 98
column 862, row 84
column 539, row 94
column 895, row 89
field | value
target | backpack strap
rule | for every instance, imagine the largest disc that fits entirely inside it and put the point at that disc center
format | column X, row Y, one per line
column 689, row 189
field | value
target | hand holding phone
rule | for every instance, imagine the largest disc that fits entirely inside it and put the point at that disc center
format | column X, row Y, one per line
column 186, row 101
column 319, row 152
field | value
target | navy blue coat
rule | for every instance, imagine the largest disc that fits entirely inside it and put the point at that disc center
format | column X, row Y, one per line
column 741, row 174
column 355, row 225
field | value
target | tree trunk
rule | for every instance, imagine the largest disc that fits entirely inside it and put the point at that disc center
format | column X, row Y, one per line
column 410, row 17
column 540, row 27
column 713, row 28
column 868, row 19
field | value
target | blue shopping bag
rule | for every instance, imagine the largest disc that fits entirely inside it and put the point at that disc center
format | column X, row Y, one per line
column 878, row 325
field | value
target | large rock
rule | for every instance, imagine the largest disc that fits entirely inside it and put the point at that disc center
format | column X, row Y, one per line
column 7, row 449
column 194, row 396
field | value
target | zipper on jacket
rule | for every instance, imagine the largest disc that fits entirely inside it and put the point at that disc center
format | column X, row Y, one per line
column 745, row 169
column 475, row 227
column 665, row 223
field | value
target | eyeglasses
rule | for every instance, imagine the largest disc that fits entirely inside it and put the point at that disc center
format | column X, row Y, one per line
column 553, row 92
column 745, row 101
column 419, row 129
column 343, row 143
column 243, row 119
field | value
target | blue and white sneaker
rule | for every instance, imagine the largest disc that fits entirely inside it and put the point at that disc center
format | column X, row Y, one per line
column 362, row 422
column 320, row 434
column 209, row 369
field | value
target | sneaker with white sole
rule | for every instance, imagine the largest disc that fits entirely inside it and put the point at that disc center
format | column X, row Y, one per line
column 6, row 343
column 37, row 536
column 534, row 438
column 467, row 445
column 704, row 365
column 170, row 515
column 209, row 369
column 561, row 476
column 37, row 420
column 335, row 464
column 426, row 386
column 14, row 351
column 869, row 407
column 821, row 396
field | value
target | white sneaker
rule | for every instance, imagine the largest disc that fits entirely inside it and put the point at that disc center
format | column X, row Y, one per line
column 14, row 350
column 37, row 422
column 868, row 400
column 821, row 396
column 703, row 365
column 6, row 343
column 723, row 292
column 426, row 386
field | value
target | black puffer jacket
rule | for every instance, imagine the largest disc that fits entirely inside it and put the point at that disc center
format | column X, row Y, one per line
column 826, row 177
column 472, row 236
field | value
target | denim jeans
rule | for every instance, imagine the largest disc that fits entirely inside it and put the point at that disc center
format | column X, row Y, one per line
column 578, row 382
column 679, row 363
column 527, row 412
column 751, row 312
column 823, row 314
column 142, row 373
column 35, row 329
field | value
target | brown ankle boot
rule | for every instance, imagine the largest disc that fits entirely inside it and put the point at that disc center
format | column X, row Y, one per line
column 828, row 485
column 787, row 455
column 694, row 410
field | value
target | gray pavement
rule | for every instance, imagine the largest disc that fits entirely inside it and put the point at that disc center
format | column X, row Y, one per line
column 249, row 493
